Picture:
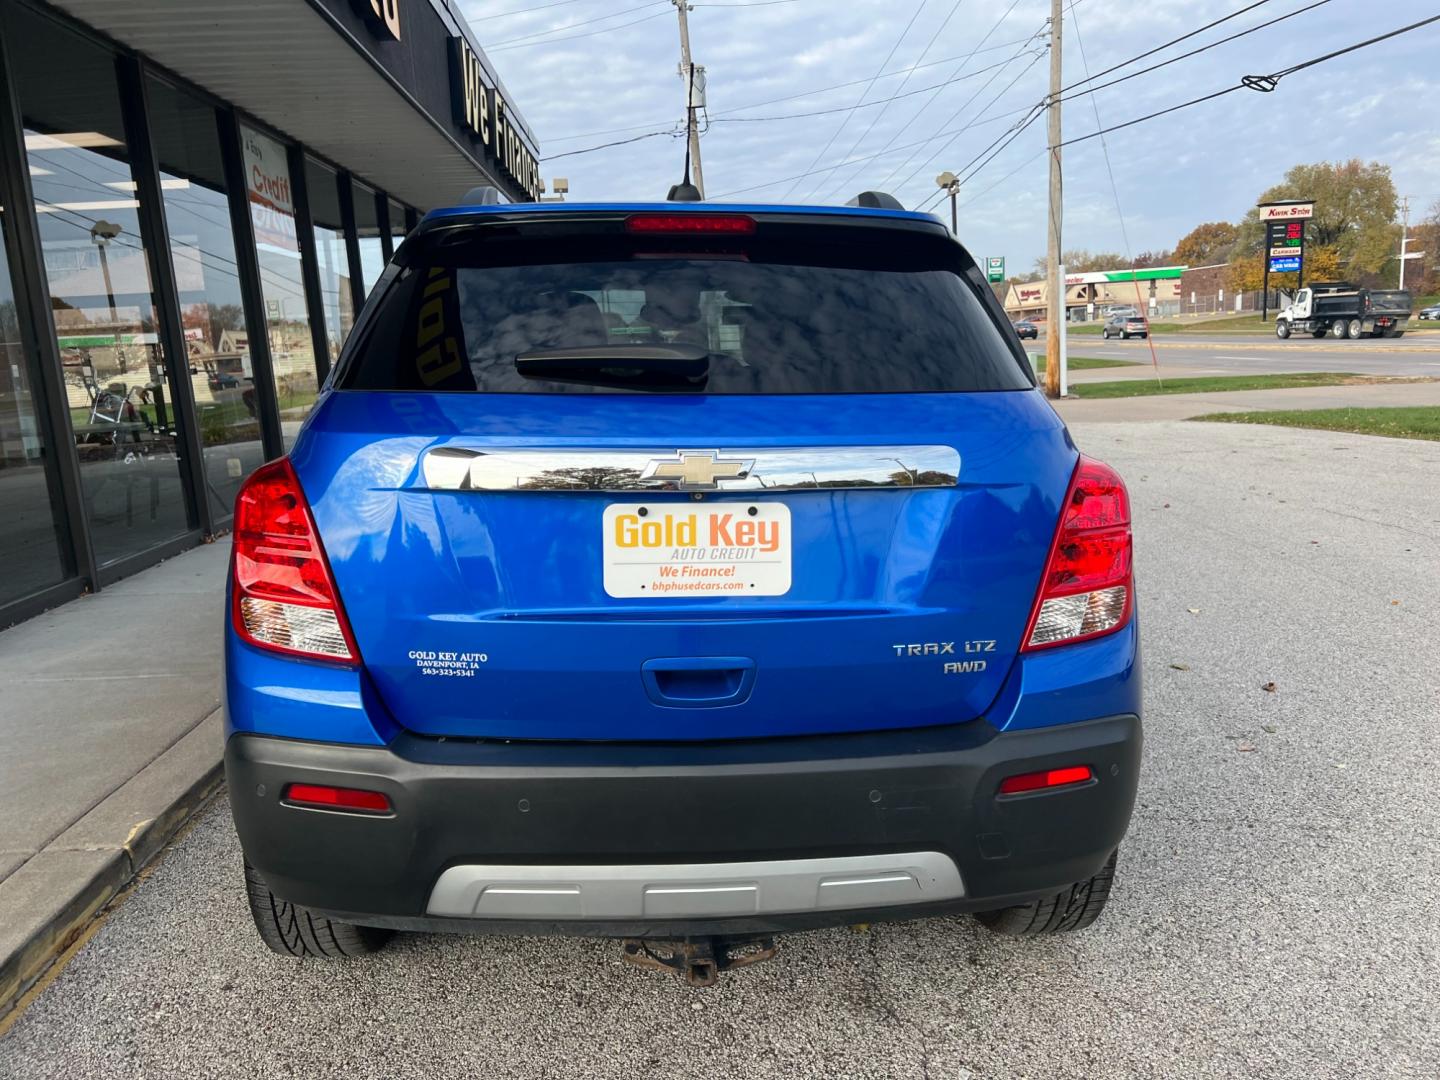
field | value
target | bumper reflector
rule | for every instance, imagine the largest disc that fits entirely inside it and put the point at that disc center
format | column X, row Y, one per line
column 1046, row 778
column 325, row 797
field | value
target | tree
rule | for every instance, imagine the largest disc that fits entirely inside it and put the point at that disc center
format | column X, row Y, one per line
column 1081, row 261
column 1149, row 259
column 1354, row 214
column 1207, row 244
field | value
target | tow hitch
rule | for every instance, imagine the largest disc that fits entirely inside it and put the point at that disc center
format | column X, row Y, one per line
column 699, row 961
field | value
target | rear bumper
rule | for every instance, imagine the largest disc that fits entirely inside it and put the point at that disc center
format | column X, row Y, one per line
column 532, row 810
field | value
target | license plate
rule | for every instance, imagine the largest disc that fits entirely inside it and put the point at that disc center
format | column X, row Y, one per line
column 674, row 549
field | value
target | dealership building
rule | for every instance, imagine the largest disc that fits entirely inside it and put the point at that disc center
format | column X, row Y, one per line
column 195, row 198
column 1156, row 290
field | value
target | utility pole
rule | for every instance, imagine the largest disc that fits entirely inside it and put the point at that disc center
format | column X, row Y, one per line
column 687, row 73
column 1055, row 273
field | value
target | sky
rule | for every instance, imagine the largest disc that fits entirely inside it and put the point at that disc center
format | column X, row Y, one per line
column 590, row 72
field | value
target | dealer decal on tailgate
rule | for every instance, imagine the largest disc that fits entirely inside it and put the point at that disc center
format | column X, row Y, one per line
column 680, row 550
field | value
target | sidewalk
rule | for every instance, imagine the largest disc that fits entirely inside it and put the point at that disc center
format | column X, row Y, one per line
column 1184, row 406
column 111, row 737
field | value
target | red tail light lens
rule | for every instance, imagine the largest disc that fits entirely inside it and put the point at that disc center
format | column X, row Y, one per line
column 1087, row 587
column 691, row 224
column 325, row 797
column 283, row 595
column 1046, row 778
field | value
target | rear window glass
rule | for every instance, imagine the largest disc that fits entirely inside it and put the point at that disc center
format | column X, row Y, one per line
column 803, row 310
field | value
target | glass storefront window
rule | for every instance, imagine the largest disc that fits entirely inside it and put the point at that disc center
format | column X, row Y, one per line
column 287, row 320
column 212, row 313
column 397, row 225
column 322, row 186
column 29, row 542
column 95, row 263
column 367, row 229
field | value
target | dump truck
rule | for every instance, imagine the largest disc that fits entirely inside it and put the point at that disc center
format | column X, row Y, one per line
column 1342, row 309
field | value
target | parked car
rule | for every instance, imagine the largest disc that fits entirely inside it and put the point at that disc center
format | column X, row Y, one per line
column 1431, row 312
column 712, row 619
column 1026, row 329
column 1125, row 326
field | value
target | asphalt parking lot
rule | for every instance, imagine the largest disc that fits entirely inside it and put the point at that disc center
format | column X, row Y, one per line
column 1275, row 913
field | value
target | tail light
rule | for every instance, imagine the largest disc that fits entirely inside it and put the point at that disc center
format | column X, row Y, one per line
column 283, row 596
column 1087, row 587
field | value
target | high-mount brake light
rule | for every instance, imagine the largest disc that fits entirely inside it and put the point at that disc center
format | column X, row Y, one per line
column 283, row 593
column 690, row 224
column 1045, row 779
column 1088, row 586
column 326, row 797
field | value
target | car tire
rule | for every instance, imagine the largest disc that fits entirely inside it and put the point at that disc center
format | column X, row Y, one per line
column 1282, row 329
column 1397, row 333
column 1337, row 329
column 1072, row 908
column 292, row 930
column 1355, row 329
column 1317, row 333
column 1105, row 334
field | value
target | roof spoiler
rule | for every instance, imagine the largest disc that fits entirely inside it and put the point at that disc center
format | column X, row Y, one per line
column 876, row 200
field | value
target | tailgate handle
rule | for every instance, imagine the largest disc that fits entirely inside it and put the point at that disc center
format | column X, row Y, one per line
column 698, row 682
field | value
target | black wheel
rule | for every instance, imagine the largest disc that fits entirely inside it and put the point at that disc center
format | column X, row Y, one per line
column 1282, row 329
column 1397, row 333
column 291, row 930
column 1072, row 908
column 1317, row 333
column 1105, row 334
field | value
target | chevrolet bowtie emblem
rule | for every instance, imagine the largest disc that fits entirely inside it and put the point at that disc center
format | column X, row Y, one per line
column 692, row 469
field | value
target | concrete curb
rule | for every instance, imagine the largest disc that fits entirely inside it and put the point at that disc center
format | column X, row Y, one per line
column 48, row 902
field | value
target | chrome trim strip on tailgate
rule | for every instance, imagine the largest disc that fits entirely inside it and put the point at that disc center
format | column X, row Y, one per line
column 454, row 468
column 695, row 890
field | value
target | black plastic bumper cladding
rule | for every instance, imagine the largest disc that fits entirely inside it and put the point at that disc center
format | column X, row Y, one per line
column 480, row 802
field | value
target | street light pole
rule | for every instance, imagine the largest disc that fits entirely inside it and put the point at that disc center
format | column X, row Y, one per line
column 950, row 184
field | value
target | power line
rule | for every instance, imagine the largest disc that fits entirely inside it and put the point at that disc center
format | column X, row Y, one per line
column 1196, row 52
column 618, row 142
column 591, row 33
column 575, row 25
column 1162, row 48
column 866, row 105
column 1020, row 75
column 881, row 114
column 867, row 157
column 863, row 94
column 526, row 11
column 1261, row 83
column 788, row 97
column 970, row 101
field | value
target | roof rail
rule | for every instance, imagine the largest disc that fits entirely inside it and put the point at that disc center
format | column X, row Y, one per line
column 484, row 195
column 876, row 200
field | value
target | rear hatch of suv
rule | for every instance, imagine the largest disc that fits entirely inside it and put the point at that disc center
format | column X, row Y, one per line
column 656, row 475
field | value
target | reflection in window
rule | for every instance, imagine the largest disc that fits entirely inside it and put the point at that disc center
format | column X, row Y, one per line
column 29, row 543
column 212, row 315
column 272, row 215
column 322, row 186
column 367, row 228
column 95, row 264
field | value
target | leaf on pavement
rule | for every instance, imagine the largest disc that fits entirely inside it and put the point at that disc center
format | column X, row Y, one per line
column 1269, row 687
column 1181, row 667
column 1245, row 746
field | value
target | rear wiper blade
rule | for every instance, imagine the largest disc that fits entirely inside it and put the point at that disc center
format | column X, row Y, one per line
column 634, row 367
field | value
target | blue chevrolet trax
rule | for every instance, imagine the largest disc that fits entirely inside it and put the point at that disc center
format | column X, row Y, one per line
column 685, row 574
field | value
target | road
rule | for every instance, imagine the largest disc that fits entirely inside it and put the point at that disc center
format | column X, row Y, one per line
column 1275, row 913
column 1239, row 355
